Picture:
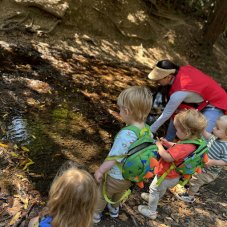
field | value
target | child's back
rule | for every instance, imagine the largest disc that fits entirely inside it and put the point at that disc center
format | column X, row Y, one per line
column 135, row 105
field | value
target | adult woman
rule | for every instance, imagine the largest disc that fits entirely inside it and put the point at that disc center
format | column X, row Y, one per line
column 189, row 88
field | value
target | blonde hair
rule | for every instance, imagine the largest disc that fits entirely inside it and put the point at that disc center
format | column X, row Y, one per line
column 191, row 122
column 72, row 199
column 223, row 120
column 138, row 100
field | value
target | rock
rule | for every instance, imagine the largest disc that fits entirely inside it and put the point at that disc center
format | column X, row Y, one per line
column 168, row 221
column 55, row 7
column 123, row 217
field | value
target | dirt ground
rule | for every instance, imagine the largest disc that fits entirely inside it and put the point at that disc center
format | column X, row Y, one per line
column 97, row 49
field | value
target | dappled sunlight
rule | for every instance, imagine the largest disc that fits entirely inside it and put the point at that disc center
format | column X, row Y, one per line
column 137, row 17
column 59, row 93
column 171, row 37
column 201, row 211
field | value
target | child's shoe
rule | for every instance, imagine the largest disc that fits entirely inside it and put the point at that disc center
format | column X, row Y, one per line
column 186, row 197
column 97, row 217
column 114, row 212
column 146, row 211
column 145, row 196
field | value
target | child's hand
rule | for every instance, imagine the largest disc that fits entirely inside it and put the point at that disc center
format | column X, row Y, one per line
column 166, row 143
column 209, row 163
column 159, row 143
column 98, row 176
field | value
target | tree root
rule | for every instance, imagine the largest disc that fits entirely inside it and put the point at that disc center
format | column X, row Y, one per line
column 4, row 26
column 54, row 25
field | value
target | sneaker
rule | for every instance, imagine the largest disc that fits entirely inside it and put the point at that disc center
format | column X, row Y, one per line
column 186, row 197
column 146, row 211
column 145, row 196
column 97, row 217
column 114, row 212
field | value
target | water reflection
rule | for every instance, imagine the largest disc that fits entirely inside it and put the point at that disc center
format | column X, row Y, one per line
column 16, row 130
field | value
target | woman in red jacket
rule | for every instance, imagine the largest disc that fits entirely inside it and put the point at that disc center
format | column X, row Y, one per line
column 189, row 88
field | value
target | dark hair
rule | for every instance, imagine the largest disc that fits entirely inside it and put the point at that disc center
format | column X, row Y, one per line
column 167, row 64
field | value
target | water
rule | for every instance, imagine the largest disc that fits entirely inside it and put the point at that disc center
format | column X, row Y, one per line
column 43, row 135
column 16, row 130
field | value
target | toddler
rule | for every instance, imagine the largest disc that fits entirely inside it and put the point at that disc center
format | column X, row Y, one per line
column 189, row 125
column 217, row 145
column 134, row 104
column 72, row 200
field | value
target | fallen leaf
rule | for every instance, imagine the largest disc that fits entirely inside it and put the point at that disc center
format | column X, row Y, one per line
column 5, row 115
column 15, row 218
column 25, row 149
column 25, row 202
column 19, row 175
column 15, row 147
column 28, row 164
column 3, row 145
column 13, row 154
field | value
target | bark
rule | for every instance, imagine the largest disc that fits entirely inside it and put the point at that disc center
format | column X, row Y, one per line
column 216, row 22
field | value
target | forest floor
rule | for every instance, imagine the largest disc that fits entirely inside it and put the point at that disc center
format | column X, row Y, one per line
column 74, row 74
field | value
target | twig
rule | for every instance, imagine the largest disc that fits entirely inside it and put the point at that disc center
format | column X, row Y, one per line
column 24, row 216
column 131, row 214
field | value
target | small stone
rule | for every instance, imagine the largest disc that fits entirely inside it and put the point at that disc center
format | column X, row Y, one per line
column 123, row 217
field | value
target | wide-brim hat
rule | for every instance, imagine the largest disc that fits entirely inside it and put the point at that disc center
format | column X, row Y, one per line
column 159, row 73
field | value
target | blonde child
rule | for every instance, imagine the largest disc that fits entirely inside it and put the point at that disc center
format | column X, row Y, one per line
column 134, row 104
column 217, row 144
column 189, row 125
column 72, row 200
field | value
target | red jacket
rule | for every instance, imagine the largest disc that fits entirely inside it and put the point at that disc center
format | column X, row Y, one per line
column 191, row 79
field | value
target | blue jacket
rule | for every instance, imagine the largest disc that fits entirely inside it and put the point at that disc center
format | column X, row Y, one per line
column 45, row 221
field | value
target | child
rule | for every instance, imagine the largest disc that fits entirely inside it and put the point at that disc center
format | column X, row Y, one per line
column 217, row 144
column 189, row 125
column 135, row 104
column 72, row 200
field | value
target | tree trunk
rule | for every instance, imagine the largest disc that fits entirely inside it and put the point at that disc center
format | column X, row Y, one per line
column 216, row 22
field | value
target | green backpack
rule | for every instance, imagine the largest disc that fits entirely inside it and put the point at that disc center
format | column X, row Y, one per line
column 141, row 158
column 191, row 164
column 139, row 163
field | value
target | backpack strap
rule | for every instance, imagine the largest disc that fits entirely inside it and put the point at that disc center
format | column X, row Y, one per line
column 138, row 133
column 132, row 128
column 196, row 142
column 123, row 198
column 173, row 166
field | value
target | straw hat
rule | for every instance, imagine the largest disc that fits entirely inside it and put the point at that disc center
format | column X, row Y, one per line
column 159, row 73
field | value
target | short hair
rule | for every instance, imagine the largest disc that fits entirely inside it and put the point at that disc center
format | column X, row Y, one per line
column 223, row 120
column 192, row 122
column 72, row 199
column 138, row 100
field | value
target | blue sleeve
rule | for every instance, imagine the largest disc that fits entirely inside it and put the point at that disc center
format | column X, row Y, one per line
column 45, row 221
column 175, row 100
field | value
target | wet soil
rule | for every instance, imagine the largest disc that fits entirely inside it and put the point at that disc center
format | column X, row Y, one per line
column 58, row 102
